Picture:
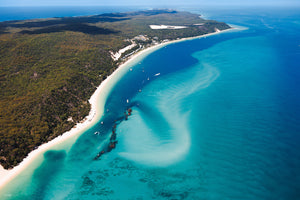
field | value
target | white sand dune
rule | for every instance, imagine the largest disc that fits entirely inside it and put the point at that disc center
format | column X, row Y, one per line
column 117, row 55
column 166, row 27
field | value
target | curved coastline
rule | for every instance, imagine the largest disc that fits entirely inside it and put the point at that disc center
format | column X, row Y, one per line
column 97, row 101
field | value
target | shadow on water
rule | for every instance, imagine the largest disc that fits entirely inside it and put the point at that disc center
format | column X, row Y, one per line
column 47, row 172
column 149, row 114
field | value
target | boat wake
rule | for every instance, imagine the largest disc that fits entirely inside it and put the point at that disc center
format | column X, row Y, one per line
column 157, row 134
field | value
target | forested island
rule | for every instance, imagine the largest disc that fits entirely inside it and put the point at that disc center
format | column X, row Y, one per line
column 51, row 67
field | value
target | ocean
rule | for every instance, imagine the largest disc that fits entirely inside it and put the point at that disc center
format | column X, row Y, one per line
column 212, row 118
column 23, row 13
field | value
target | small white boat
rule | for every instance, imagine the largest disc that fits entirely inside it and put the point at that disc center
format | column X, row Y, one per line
column 102, row 122
column 127, row 100
column 157, row 74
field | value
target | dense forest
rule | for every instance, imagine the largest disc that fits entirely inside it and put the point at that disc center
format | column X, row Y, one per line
column 49, row 68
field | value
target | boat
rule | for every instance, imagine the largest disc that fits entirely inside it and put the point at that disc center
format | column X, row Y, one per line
column 157, row 74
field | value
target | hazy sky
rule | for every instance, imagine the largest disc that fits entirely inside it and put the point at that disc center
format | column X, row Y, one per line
column 144, row 2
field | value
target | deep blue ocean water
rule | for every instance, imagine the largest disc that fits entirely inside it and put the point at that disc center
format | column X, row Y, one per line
column 221, row 121
column 22, row 13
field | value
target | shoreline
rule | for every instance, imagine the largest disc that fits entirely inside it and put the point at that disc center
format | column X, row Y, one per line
column 97, row 101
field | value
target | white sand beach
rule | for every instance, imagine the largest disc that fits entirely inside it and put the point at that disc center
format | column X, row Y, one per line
column 97, row 100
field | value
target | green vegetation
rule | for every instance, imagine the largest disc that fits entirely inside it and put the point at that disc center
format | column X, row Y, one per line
column 51, row 67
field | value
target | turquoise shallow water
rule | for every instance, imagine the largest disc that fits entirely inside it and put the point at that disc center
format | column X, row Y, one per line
column 221, row 121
